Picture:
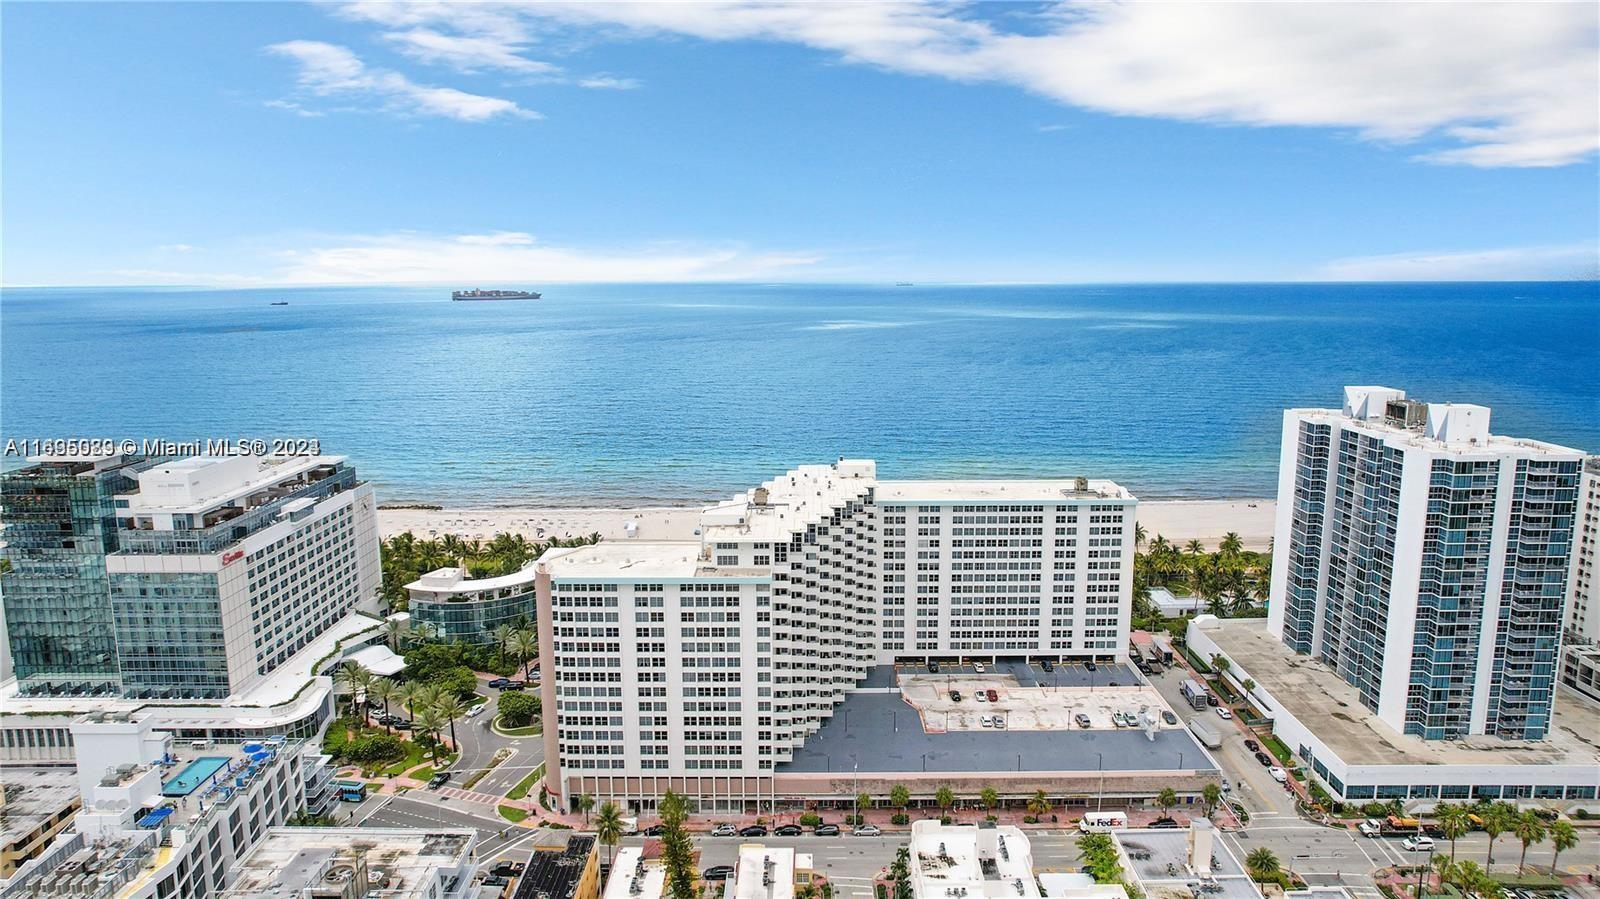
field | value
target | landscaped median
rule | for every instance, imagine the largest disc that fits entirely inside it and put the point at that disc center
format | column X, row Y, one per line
column 519, row 793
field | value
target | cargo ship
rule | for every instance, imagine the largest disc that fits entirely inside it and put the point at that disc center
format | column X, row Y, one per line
column 494, row 295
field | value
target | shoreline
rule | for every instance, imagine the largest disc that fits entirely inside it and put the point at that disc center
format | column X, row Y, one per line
column 1179, row 520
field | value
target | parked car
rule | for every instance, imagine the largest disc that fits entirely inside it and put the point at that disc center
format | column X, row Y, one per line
column 985, row 721
column 1169, row 718
column 654, row 830
column 1089, row 665
column 1278, row 774
column 754, row 830
column 477, row 710
column 1418, row 844
column 999, row 722
column 980, row 696
column 994, row 696
column 1224, row 713
column 788, row 830
column 868, row 830
column 933, row 667
column 1164, row 823
column 1116, row 720
column 1266, row 761
column 508, row 869
column 724, row 830
column 402, row 724
column 1047, row 665
column 1082, row 719
column 978, row 667
column 499, row 682
column 717, row 872
column 1252, row 745
column 439, row 780
column 514, row 686
column 1211, row 699
column 955, row 695
column 826, row 830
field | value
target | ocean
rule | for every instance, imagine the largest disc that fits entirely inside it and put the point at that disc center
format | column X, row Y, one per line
column 646, row 394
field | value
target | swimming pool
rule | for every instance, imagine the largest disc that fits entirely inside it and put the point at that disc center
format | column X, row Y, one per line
column 193, row 776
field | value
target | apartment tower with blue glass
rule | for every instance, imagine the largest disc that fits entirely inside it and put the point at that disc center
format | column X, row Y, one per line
column 1425, row 561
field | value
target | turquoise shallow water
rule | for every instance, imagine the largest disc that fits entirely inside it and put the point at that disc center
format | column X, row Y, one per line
column 652, row 393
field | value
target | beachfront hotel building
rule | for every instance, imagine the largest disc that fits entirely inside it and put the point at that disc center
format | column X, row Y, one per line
column 705, row 665
column 1426, row 561
column 189, row 578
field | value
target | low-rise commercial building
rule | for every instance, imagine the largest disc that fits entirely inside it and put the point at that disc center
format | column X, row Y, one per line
column 1358, row 757
column 636, row 876
column 769, row 872
column 964, row 861
column 564, row 865
column 35, row 805
column 1167, row 863
column 340, row 863
column 451, row 607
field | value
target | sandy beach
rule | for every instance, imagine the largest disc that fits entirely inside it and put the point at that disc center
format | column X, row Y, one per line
column 1178, row 520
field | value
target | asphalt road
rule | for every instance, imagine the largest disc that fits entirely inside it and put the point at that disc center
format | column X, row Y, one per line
column 479, row 743
column 1251, row 784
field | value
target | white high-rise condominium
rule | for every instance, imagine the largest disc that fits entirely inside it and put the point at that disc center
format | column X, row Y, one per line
column 1580, row 657
column 703, row 665
column 1425, row 560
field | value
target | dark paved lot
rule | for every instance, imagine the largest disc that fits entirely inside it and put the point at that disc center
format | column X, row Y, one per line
column 880, row 732
column 1067, row 674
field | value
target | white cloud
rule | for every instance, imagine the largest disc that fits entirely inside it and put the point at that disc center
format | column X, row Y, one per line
column 176, row 248
column 518, row 257
column 467, row 53
column 1503, row 84
column 1546, row 263
column 608, row 82
column 330, row 70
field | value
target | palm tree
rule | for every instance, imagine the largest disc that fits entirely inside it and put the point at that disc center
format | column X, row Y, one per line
column 900, row 796
column 524, row 644
column 450, row 707
column 407, row 694
column 1497, row 819
column 1194, row 548
column 990, row 798
column 1139, row 535
column 1166, row 799
column 383, row 690
column 355, row 680
column 608, row 828
column 585, row 805
column 430, row 722
column 502, row 635
column 1453, row 823
column 1212, row 795
column 1529, row 829
column 1262, row 862
column 394, row 633
column 1231, row 546
column 945, row 798
column 1249, row 686
column 863, row 801
column 1039, row 804
column 1563, row 836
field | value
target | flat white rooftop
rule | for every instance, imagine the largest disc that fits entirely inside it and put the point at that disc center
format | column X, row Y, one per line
column 971, row 861
column 766, row 872
column 290, row 860
column 454, row 580
column 634, row 877
column 1055, row 490
column 1490, row 446
column 669, row 560
column 201, row 483
column 1332, row 709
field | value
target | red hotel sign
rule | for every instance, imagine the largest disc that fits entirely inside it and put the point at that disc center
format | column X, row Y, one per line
column 232, row 556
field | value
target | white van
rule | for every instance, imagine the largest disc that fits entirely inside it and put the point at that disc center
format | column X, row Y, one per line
column 1418, row 844
column 1102, row 822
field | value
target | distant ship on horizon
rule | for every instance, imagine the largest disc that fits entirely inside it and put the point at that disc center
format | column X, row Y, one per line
column 495, row 295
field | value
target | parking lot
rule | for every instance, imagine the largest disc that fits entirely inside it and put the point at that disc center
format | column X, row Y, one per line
column 1028, row 698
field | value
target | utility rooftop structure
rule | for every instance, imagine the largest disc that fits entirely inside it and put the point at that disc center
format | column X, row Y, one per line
column 744, row 642
column 1425, row 561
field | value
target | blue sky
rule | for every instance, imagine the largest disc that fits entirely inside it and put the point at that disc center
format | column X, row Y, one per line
column 252, row 143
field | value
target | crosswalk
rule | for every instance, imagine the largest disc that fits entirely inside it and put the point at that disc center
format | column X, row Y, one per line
column 469, row 795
